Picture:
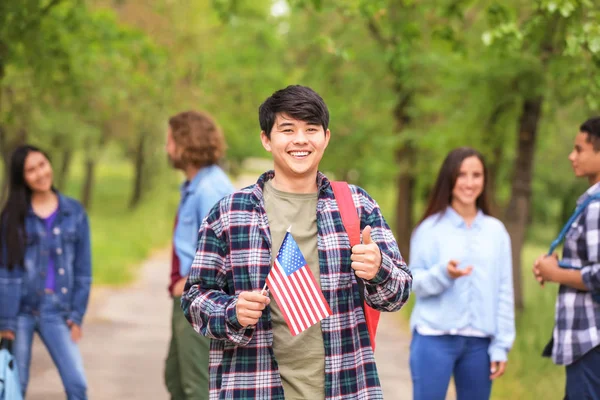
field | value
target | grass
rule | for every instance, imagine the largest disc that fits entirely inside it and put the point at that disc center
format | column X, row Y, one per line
column 528, row 375
column 123, row 238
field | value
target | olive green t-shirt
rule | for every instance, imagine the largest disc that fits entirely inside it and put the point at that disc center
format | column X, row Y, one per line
column 301, row 358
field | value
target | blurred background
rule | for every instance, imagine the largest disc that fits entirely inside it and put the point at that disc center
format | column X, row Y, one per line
column 93, row 82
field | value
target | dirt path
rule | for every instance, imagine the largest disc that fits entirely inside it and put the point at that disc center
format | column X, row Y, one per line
column 126, row 334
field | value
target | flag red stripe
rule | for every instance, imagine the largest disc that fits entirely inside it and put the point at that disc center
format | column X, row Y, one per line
column 296, row 279
column 280, row 302
column 288, row 306
column 308, row 301
column 318, row 294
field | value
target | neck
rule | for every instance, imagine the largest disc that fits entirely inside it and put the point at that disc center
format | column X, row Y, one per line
column 305, row 184
column 593, row 179
column 467, row 211
column 43, row 197
column 190, row 172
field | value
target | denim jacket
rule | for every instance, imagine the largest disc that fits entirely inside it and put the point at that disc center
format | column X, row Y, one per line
column 22, row 288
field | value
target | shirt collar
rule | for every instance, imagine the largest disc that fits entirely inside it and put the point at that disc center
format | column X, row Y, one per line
column 322, row 184
column 188, row 187
column 451, row 215
column 593, row 189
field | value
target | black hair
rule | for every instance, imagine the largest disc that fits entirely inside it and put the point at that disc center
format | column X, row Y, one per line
column 592, row 128
column 12, row 227
column 299, row 102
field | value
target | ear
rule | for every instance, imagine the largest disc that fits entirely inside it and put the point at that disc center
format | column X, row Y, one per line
column 266, row 142
column 327, row 137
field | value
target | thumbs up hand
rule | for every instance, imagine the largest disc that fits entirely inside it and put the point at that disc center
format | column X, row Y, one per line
column 366, row 257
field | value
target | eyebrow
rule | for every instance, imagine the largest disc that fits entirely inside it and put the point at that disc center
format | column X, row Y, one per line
column 283, row 124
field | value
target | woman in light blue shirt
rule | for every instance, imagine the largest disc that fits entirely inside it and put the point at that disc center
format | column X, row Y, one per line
column 460, row 257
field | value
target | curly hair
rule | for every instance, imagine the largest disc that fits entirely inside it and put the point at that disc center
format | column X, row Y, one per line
column 199, row 136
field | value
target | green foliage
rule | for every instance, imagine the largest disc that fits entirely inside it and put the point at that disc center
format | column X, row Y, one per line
column 122, row 238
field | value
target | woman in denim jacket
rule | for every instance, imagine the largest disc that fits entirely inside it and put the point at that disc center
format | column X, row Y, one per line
column 45, row 269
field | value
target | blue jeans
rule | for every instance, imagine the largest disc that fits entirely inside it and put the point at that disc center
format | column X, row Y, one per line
column 434, row 359
column 583, row 377
column 52, row 327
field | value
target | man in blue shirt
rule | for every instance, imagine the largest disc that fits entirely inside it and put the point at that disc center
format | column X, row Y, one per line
column 576, row 337
column 194, row 145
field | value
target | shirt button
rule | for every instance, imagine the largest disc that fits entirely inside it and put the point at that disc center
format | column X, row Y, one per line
column 61, row 271
column 56, row 230
column 64, row 290
column 59, row 251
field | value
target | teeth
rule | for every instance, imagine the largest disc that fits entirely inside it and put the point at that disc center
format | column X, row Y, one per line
column 299, row 153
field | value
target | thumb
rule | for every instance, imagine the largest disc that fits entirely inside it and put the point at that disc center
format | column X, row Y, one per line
column 366, row 235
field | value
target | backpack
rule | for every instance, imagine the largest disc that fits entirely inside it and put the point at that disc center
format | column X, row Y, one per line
column 349, row 215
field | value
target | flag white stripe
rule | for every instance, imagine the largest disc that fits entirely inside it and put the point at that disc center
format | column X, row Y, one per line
column 286, row 295
column 315, row 301
column 291, row 307
column 280, row 293
column 291, row 290
column 297, row 280
column 317, row 298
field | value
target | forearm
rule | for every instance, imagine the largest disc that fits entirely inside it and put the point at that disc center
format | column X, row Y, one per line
column 571, row 278
column 390, row 287
column 431, row 282
column 212, row 313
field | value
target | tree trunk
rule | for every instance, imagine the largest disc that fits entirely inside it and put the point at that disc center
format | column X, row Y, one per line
column 406, row 180
column 405, row 201
column 88, row 183
column 496, row 154
column 517, row 213
column 63, row 170
column 139, row 171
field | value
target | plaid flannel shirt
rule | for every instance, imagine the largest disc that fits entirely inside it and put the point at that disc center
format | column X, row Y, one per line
column 234, row 255
column 577, row 315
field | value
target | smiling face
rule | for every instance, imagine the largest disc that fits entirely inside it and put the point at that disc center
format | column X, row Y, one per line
column 469, row 183
column 297, row 147
column 37, row 172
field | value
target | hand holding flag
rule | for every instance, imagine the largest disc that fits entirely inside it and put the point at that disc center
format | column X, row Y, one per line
column 250, row 306
column 366, row 257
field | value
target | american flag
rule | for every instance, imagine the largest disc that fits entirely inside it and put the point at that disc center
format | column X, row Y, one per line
column 295, row 288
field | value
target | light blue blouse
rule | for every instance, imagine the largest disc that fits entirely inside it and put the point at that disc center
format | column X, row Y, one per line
column 482, row 300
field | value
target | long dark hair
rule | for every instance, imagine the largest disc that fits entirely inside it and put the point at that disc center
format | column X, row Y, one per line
column 441, row 196
column 12, row 232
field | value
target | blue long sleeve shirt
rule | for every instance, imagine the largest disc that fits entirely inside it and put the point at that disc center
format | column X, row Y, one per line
column 482, row 300
column 198, row 196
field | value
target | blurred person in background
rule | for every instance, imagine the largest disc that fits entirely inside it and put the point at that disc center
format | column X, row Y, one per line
column 575, row 339
column 463, row 322
column 194, row 145
column 45, row 269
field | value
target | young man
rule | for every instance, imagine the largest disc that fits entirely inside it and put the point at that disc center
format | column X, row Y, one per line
column 253, row 353
column 194, row 145
column 576, row 336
